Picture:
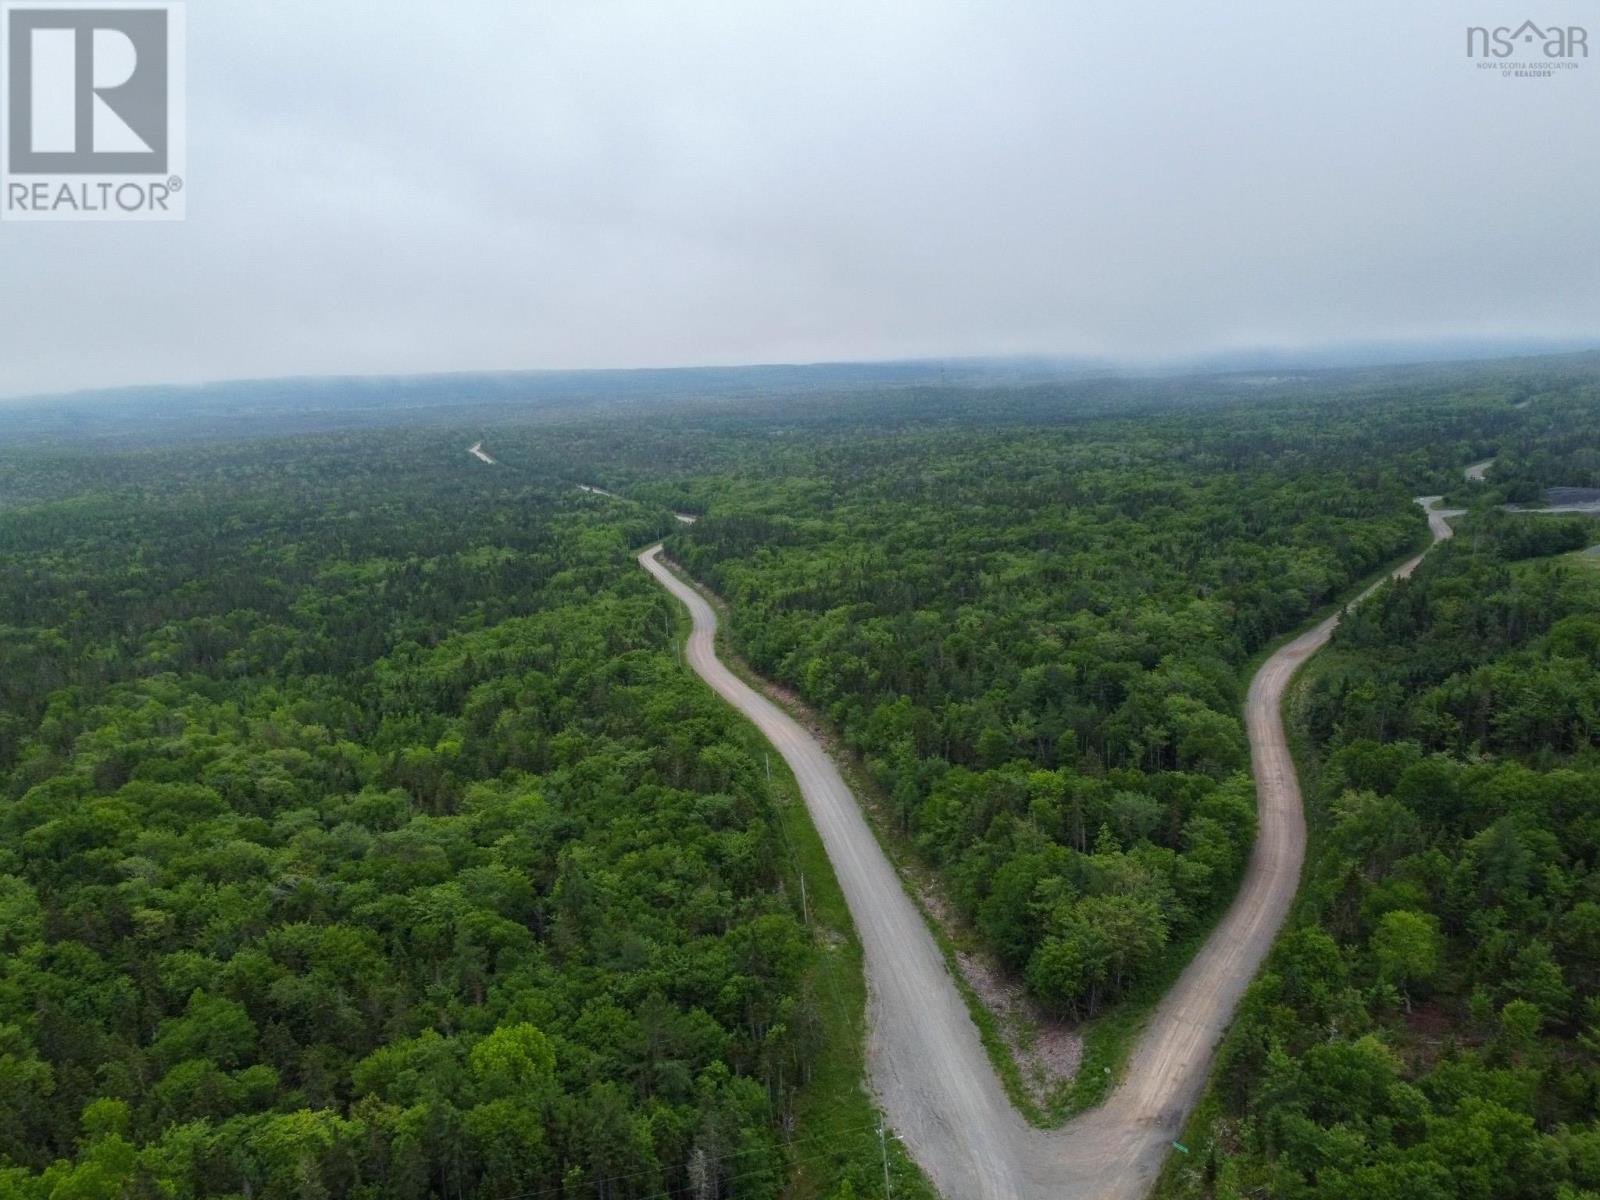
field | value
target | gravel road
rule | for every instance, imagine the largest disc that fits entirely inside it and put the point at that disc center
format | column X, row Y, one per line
column 927, row 1064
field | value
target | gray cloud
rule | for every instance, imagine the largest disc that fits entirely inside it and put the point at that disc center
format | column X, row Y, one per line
column 395, row 186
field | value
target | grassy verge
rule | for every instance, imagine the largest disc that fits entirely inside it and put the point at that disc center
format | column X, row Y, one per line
column 1583, row 560
column 834, row 1136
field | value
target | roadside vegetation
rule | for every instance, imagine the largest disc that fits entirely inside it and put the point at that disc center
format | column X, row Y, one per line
column 1428, row 1027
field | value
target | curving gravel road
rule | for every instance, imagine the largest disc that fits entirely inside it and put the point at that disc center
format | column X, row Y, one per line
column 927, row 1065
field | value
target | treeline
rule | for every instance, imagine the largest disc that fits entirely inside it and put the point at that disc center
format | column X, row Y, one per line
column 1429, row 1028
column 360, row 836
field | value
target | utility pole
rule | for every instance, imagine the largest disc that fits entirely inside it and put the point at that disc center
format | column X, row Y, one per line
column 883, row 1148
column 672, row 642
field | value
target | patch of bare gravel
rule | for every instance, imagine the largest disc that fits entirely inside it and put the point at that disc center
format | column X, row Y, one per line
column 1047, row 1050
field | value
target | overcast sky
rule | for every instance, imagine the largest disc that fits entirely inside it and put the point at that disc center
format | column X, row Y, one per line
column 383, row 186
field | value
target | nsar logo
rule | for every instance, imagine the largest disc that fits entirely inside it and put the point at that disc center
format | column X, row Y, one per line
column 1540, row 53
column 93, row 124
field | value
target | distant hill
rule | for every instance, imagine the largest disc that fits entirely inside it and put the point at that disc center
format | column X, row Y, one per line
column 273, row 406
column 890, row 390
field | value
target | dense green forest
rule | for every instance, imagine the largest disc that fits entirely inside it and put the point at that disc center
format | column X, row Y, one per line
column 1430, row 1028
column 1038, row 655
column 360, row 835
column 1037, row 637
